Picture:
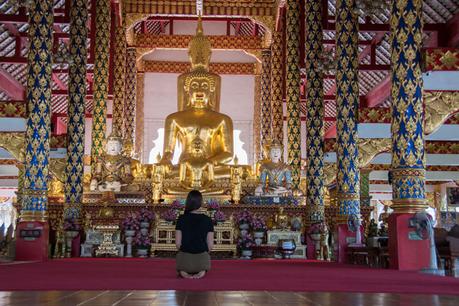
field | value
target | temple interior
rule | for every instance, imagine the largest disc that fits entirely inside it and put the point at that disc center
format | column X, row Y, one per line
column 322, row 134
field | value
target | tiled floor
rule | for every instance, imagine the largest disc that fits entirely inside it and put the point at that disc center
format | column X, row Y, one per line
column 223, row 298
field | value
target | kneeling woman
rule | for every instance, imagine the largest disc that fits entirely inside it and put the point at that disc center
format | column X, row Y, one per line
column 194, row 238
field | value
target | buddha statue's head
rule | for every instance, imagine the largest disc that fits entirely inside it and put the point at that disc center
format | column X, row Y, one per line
column 275, row 151
column 113, row 145
column 199, row 88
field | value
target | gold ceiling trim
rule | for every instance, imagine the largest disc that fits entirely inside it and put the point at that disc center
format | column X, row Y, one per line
column 181, row 67
column 181, row 41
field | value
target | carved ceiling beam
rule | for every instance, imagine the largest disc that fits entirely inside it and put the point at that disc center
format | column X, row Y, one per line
column 181, row 67
column 181, row 41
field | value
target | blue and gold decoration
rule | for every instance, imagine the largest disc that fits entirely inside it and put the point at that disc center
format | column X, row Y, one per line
column 131, row 91
column 408, row 154
column 292, row 94
column 76, row 108
column 100, row 87
column 315, row 111
column 35, row 199
column 265, row 96
column 347, row 105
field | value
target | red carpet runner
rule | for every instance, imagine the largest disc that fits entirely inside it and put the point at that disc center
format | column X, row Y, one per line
column 271, row 275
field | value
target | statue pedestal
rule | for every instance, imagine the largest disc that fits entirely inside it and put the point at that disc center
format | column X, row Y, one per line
column 406, row 250
column 275, row 235
column 271, row 200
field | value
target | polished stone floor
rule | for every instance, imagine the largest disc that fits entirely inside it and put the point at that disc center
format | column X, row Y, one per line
column 219, row 298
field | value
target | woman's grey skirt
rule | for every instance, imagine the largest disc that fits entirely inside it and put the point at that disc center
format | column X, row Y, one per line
column 193, row 263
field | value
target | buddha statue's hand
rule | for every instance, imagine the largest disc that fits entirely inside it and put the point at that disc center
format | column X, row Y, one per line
column 259, row 190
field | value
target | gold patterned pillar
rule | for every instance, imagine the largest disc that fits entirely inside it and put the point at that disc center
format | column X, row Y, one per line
column 76, row 109
column 38, row 130
column 293, row 90
column 257, row 119
column 129, row 108
column 119, row 75
column 265, row 96
column 100, row 87
column 139, row 122
column 277, row 86
column 315, row 111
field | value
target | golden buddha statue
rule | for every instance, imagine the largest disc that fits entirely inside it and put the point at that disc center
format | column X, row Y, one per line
column 113, row 168
column 281, row 220
column 206, row 136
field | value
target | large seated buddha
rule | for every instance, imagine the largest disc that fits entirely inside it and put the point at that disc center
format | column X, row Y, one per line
column 205, row 134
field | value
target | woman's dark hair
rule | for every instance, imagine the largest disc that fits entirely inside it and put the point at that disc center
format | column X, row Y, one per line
column 193, row 201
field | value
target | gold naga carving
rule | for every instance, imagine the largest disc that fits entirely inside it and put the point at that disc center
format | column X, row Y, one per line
column 14, row 143
column 439, row 105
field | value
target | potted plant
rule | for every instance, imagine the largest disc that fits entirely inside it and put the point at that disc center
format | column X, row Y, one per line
column 244, row 219
column 142, row 242
column 169, row 215
column 219, row 217
column 130, row 224
column 177, row 205
column 145, row 216
column 245, row 244
column 259, row 227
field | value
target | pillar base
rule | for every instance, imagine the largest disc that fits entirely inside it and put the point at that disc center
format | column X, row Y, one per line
column 344, row 237
column 405, row 253
column 32, row 241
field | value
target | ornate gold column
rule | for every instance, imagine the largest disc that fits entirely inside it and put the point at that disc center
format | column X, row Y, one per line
column 408, row 155
column 76, row 109
column 315, row 111
column 265, row 96
column 256, row 119
column 38, row 130
column 139, row 122
column 292, row 94
column 100, row 87
column 129, row 108
column 277, row 86
column 119, row 75
column 347, row 106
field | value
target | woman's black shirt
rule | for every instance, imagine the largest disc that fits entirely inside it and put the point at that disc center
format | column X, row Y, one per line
column 194, row 229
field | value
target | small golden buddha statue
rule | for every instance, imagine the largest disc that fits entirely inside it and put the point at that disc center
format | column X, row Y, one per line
column 281, row 220
column 113, row 168
column 275, row 175
column 205, row 134
column 384, row 219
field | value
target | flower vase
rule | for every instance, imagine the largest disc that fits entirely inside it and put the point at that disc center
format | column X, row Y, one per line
column 144, row 226
column 129, row 246
column 142, row 252
column 69, row 236
column 244, row 229
column 259, row 235
column 246, row 254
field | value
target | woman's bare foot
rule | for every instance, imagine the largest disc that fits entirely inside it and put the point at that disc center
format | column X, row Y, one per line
column 185, row 275
column 199, row 275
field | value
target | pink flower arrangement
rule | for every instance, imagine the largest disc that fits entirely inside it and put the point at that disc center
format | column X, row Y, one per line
column 258, row 224
column 244, row 217
column 142, row 241
column 213, row 204
column 177, row 205
column 169, row 215
column 219, row 216
column 71, row 225
column 246, row 242
column 131, row 222
column 146, row 215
